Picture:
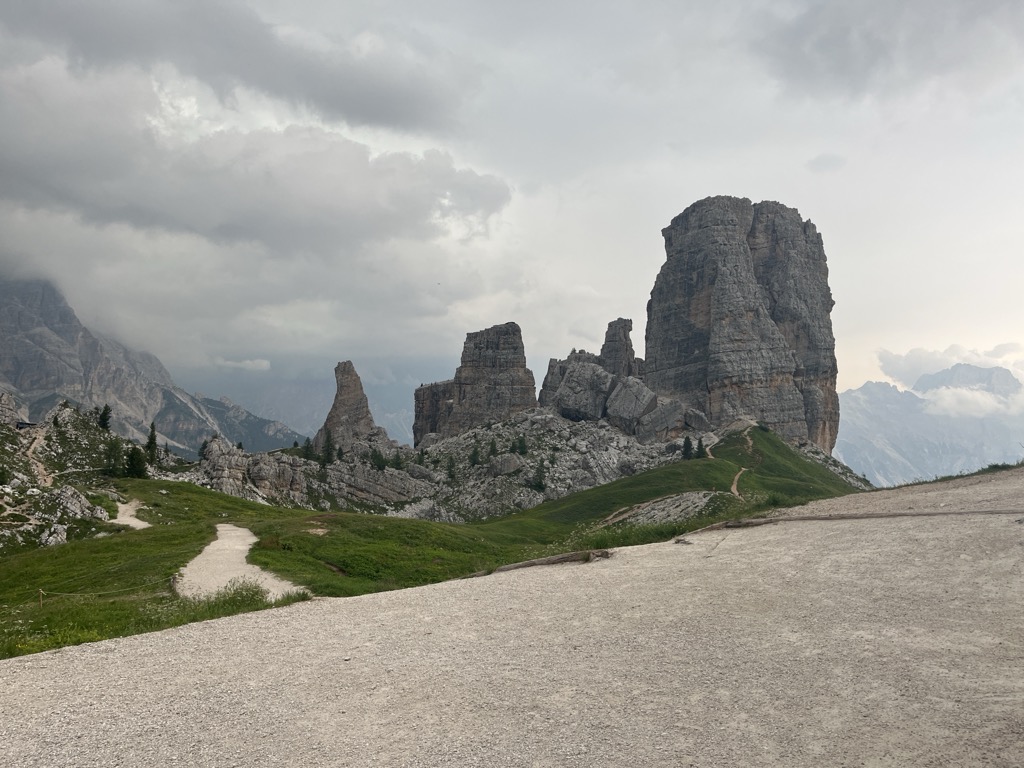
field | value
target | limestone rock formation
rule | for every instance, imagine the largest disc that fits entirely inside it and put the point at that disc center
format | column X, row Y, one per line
column 556, row 372
column 617, row 356
column 738, row 322
column 10, row 411
column 491, row 383
column 583, row 392
column 349, row 419
column 628, row 403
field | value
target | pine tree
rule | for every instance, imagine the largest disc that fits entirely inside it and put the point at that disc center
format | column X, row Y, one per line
column 521, row 445
column 538, row 477
column 202, row 449
column 104, row 419
column 494, row 448
column 151, row 447
column 327, row 453
column 474, row 456
column 113, row 460
column 307, row 450
column 687, row 448
column 702, row 452
column 135, row 463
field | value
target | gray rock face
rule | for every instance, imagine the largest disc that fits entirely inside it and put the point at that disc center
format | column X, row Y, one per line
column 349, row 419
column 617, row 356
column 738, row 322
column 628, row 403
column 47, row 356
column 556, row 372
column 491, row 383
column 10, row 411
column 583, row 392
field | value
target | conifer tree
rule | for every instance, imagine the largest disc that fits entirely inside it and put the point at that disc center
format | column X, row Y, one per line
column 702, row 452
column 687, row 448
column 327, row 454
column 151, row 446
column 104, row 419
column 135, row 463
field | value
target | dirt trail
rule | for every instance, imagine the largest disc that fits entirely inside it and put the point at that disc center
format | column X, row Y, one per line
column 735, row 487
column 126, row 515
column 42, row 473
column 224, row 561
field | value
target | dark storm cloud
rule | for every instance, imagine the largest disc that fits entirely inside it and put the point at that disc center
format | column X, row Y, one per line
column 85, row 146
column 368, row 78
column 885, row 48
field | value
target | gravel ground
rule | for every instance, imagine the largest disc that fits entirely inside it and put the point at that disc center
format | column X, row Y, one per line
column 867, row 642
column 223, row 561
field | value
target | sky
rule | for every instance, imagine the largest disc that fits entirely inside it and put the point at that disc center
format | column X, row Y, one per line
column 256, row 190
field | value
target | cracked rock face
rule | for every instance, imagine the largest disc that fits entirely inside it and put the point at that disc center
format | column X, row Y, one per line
column 349, row 419
column 491, row 383
column 739, row 326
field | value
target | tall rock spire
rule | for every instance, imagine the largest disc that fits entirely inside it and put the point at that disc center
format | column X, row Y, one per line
column 738, row 324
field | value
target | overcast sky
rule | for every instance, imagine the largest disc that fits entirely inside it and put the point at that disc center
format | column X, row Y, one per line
column 268, row 187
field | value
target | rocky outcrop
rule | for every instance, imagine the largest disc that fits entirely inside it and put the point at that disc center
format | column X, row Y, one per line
column 583, row 392
column 491, row 383
column 629, row 403
column 738, row 321
column 283, row 479
column 617, row 356
column 556, row 372
column 48, row 356
column 349, row 419
column 11, row 412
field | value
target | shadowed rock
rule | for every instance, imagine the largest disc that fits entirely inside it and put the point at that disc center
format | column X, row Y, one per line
column 491, row 383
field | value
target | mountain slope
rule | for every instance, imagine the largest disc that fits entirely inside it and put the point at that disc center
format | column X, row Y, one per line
column 47, row 356
column 954, row 421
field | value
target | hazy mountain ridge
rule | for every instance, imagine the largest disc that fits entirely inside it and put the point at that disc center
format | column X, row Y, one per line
column 47, row 356
column 956, row 420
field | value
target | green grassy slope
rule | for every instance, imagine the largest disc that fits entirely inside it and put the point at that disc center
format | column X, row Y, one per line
column 119, row 584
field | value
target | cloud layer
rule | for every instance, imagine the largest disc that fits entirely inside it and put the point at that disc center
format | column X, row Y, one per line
column 267, row 187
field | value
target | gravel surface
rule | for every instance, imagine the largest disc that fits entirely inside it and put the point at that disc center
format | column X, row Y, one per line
column 867, row 642
column 126, row 515
column 223, row 561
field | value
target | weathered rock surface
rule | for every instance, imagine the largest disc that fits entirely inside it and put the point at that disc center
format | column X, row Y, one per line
column 349, row 419
column 491, row 383
column 556, row 372
column 738, row 322
column 628, row 403
column 47, row 356
column 11, row 412
column 583, row 392
column 617, row 356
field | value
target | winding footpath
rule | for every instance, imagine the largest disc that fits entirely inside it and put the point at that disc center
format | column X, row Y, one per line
column 223, row 561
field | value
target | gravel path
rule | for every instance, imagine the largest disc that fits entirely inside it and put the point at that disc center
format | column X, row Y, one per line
column 869, row 642
column 126, row 515
column 223, row 561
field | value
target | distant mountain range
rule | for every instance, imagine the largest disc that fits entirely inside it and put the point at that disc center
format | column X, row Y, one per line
column 954, row 421
column 48, row 356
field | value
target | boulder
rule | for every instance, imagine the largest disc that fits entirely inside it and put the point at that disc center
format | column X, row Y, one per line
column 629, row 402
column 583, row 392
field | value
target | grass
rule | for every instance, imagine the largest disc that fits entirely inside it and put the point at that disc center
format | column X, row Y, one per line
column 119, row 584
